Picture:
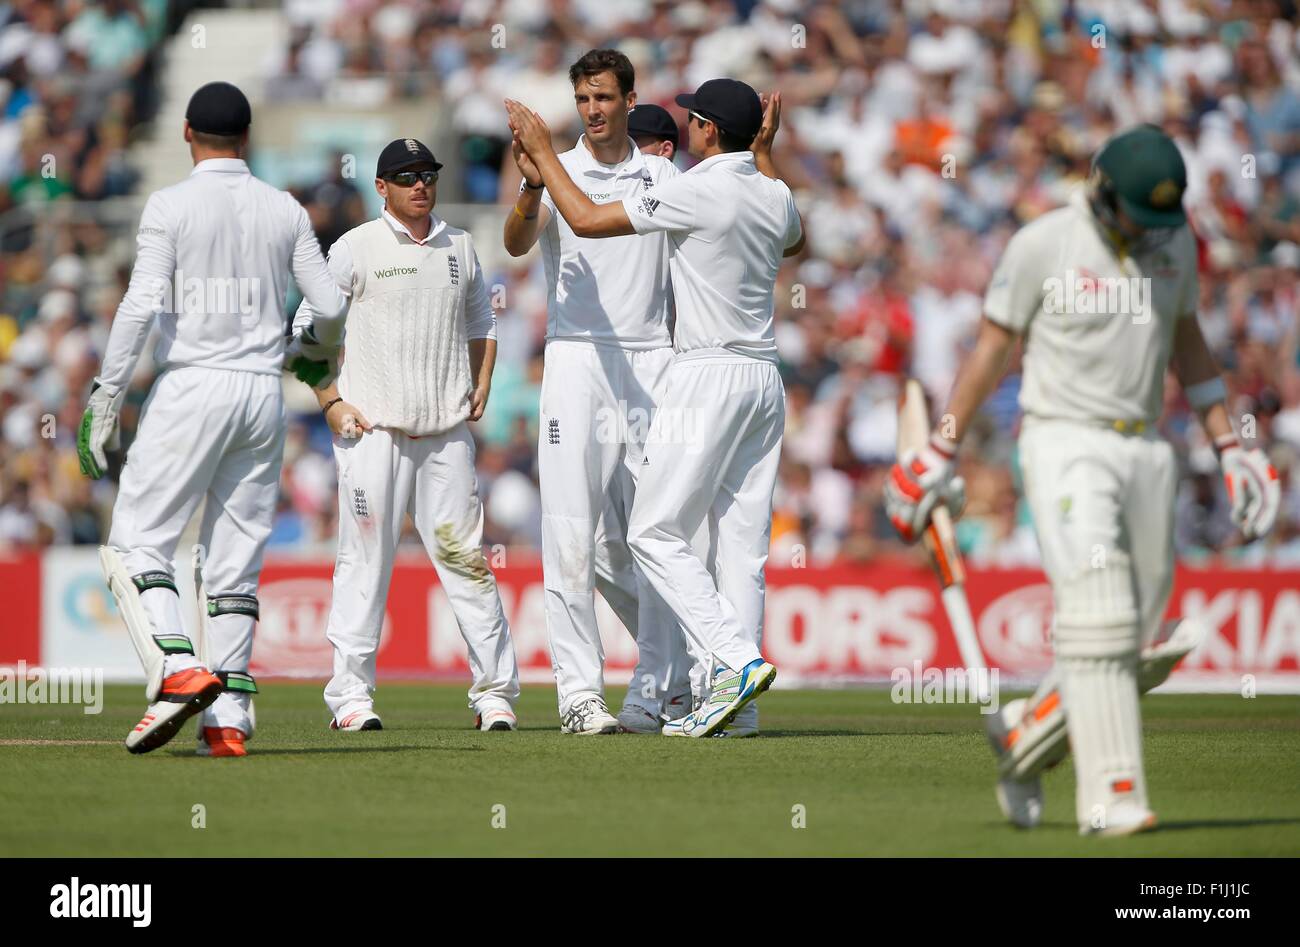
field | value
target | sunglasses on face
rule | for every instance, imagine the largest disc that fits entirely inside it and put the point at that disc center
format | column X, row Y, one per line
column 408, row 178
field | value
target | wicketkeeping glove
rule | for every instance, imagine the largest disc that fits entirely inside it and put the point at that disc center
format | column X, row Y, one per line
column 98, row 430
column 1252, row 485
column 311, row 363
column 918, row 481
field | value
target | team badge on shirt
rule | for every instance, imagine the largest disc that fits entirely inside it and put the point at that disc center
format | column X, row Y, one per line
column 453, row 269
column 553, row 431
column 359, row 502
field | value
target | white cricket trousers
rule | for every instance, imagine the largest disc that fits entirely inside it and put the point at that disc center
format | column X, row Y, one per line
column 214, row 434
column 1103, row 505
column 383, row 475
column 596, row 406
column 712, row 456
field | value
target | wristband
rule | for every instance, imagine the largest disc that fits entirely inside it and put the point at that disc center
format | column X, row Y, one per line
column 534, row 187
column 522, row 215
column 1225, row 442
column 330, row 404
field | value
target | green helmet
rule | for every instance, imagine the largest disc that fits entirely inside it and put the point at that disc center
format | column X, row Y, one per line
column 1141, row 172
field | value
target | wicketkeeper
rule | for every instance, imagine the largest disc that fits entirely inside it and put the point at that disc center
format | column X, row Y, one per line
column 213, row 260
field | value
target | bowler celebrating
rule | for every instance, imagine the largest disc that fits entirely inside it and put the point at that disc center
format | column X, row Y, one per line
column 214, row 255
column 728, row 226
column 1104, row 292
column 421, row 345
column 607, row 347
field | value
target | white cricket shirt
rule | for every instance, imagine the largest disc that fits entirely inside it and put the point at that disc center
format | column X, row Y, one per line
column 214, row 254
column 415, row 304
column 1098, row 327
column 728, row 227
column 608, row 290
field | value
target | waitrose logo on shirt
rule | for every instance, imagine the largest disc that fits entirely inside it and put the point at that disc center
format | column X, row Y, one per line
column 397, row 271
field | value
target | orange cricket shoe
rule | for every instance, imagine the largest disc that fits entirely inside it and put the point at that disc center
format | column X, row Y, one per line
column 182, row 695
column 221, row 741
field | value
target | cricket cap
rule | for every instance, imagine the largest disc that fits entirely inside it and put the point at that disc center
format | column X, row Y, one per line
column 728, row 103
column 1144, row 172
column 652, row 121
column 219, row 108
column 403, row 153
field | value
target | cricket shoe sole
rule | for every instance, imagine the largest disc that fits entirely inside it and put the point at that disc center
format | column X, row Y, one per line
column 221, row 741
column 357, row 721
column 181, row 696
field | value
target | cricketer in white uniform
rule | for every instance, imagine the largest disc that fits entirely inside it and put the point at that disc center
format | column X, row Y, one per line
column 729, row 226
column 213, row 261
column 419, row 348
column 607, row 347
column 1104, row 292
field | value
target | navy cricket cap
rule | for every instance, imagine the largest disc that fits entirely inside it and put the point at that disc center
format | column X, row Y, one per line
column 728, row 103
column 402, row 153
column 218, row 108
column 652, row 121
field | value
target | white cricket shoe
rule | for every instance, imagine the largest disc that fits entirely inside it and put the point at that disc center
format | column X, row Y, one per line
column 1021, row 800
column 589, row 717
column 358, row 720
column 730, row 692
column 634, row 718
column 1123, row 818
column 745, row 725
column 496, row 719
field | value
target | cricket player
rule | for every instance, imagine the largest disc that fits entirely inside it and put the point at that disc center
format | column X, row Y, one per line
column 654, row 130
column 728, row 226
column 420, row 349
column 607, row 347
column 1103, row 292
column 213, row 260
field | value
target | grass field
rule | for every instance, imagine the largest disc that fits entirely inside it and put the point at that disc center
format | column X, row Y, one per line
column 874, row 778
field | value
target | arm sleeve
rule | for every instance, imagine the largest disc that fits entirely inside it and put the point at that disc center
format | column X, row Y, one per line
column 1190, row 297
column 340, row 271
column 319, row 288
column 1015, row 290
column 146, row 295
column 794, row 229
column 668, row 206
column 480, row 320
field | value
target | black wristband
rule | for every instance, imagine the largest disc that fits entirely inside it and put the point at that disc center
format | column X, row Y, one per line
column 534, row 187
column 329, row 404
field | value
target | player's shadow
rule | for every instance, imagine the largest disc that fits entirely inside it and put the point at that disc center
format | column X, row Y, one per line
column 1182, row 825
column 299, row 751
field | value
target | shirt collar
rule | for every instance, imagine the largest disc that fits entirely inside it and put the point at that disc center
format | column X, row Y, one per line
column 227, row 165
column 435, row 226
column 633, row 164
column 744, row 157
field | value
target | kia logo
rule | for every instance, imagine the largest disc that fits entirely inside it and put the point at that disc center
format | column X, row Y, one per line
column 1015, row 629
column 291, row 632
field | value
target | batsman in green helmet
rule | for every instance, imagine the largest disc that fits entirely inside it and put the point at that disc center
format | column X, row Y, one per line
column 1103, row 294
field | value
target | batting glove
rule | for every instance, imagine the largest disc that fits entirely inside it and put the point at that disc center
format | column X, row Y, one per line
column 918, row 481
column 1252, row 485
column 98, row 430
column 309, row 361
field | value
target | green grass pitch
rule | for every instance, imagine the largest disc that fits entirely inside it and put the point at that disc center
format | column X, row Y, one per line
column 872, row 778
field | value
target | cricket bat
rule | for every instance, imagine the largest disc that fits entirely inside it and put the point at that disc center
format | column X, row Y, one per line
column 940, row 538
